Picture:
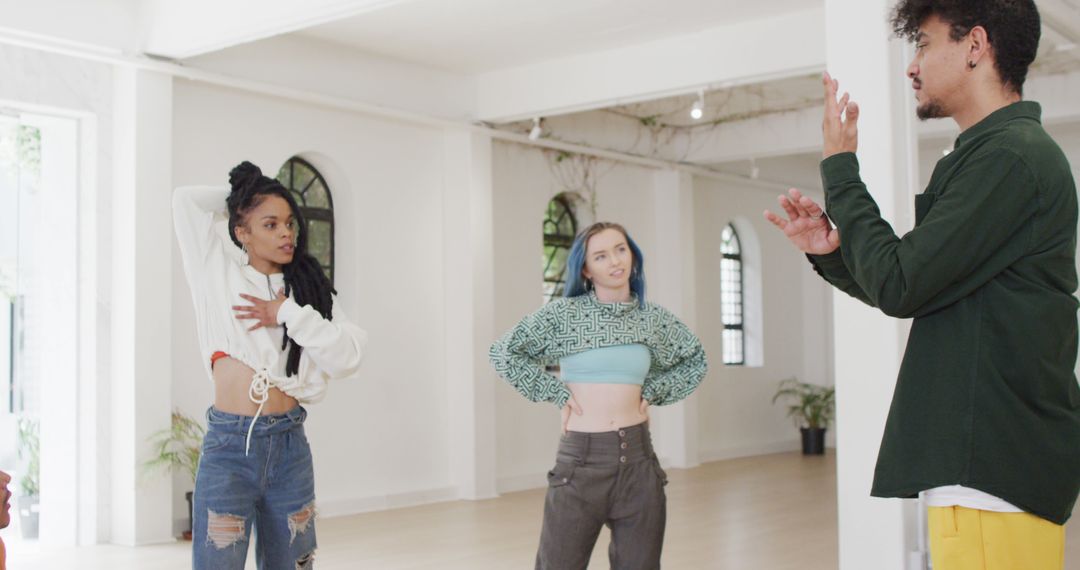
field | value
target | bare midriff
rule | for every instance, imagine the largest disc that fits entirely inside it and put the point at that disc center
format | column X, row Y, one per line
column 232, row 382
column 605, row 407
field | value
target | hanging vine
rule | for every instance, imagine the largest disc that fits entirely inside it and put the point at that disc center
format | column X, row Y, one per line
column 662, row 129
column 578, row 174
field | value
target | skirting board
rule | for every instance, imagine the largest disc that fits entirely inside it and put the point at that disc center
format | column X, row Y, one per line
column 737, row 451
column 520, row 483
column 344, row 507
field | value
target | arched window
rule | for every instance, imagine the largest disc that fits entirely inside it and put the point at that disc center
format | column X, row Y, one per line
column 316, row 205
column 731, row 297
column 560, row 227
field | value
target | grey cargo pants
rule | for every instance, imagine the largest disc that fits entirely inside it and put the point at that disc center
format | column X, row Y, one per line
column 610, row 478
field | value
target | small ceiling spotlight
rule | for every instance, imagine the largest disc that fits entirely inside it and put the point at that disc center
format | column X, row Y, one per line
column 536, row 129
column 698, row 109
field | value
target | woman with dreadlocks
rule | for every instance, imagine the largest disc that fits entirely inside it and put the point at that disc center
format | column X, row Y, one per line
column 271, row 336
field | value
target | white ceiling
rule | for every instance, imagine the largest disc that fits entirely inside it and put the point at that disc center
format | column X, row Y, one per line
column 472, row 36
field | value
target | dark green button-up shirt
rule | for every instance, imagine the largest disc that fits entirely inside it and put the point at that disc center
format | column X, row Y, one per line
column 987, row 396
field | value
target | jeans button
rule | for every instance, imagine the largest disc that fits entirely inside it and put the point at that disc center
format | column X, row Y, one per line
column 622, row 445
column 622, row 433
column 622, row 459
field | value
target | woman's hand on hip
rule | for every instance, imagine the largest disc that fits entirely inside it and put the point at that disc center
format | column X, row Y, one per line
column 571, row 407
column 261, row 311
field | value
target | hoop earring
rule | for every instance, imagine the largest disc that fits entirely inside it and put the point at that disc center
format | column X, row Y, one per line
column 246, row 259
column 588, row 285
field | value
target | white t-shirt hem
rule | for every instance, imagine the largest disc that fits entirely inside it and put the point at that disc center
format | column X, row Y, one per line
column 961, row 496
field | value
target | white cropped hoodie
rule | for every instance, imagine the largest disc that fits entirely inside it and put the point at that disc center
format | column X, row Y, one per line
column 218, row 273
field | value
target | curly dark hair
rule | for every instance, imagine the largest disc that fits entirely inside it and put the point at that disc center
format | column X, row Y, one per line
column 1012, row 27
column 305, row 281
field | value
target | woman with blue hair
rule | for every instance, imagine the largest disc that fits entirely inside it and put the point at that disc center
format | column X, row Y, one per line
column 618, row 355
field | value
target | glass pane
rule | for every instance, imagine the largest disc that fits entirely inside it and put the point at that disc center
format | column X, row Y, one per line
column 550, row 227
column 550, row 291
column 316, row 196
column 559, row 228
column 729, row 242
column 319, row 241
column 302, row 176
column 731, row 294
column 283, row 175
column 555, row 262
column 296, row 196
column 733, row 346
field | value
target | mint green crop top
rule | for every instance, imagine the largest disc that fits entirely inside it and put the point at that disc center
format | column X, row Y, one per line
column 619, row 364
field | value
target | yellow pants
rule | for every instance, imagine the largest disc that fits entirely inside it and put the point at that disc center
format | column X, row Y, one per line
column 970, row 539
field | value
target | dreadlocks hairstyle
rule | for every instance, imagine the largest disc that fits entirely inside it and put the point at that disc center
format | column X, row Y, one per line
column 1012, row 27
column 305, row 281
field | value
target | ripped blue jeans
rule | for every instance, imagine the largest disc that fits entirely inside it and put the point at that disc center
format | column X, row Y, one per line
column 271, row 489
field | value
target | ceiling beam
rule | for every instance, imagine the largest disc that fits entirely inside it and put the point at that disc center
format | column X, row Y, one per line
column 788, row 45
column 799, row 132
column 179, row 30
column 101, row 26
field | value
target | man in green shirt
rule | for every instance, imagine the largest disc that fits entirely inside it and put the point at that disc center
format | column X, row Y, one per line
column 985, row 417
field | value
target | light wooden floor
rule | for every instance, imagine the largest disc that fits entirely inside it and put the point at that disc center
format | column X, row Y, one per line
column 772, row 512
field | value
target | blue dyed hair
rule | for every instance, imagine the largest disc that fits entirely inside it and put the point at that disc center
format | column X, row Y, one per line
column 577, row 285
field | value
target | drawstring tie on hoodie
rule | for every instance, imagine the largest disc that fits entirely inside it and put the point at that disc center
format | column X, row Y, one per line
column 258, row 392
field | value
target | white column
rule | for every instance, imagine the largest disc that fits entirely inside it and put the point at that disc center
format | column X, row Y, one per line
column 670, row 272
column 55, row 237
column 468, row 275
column 93, row 428
column 869, row 63
column 141, row 311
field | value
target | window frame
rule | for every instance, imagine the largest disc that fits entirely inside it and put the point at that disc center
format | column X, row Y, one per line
column 313, row 213
column 559, row 241
column 737, row 259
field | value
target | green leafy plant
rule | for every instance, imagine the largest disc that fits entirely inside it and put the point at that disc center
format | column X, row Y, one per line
column 178, row 447
column 810, row 405
column 30, row 451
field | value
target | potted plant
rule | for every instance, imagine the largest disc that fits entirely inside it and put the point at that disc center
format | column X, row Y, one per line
column 178, row 448
column 812, row 408
column 30, row 481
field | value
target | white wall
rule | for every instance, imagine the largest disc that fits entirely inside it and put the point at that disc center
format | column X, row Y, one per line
column 735, row 410
column 377, row 438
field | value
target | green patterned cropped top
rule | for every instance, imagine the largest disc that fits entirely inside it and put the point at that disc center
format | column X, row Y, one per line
column 572, row 325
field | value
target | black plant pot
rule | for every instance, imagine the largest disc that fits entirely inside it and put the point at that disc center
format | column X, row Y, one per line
column 813, row 441
column 187, row 533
